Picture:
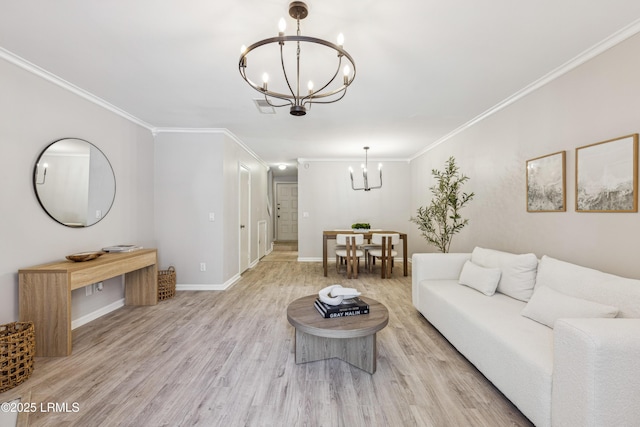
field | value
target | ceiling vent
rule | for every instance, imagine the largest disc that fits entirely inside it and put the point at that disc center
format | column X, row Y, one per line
column 264, row 107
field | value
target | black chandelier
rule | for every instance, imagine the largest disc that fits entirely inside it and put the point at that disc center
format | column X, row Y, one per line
column 333, row 90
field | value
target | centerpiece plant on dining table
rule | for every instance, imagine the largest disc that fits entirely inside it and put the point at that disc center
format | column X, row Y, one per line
column 361, row 226
column 439, row 221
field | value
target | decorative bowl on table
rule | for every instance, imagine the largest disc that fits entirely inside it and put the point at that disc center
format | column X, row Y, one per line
column 84, row 256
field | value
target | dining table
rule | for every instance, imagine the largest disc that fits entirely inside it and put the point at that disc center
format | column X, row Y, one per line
column 331, row 234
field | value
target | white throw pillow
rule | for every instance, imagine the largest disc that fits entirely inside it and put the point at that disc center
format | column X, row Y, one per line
column 590, row 284
column 546, row 306
column 480, row 278
column 518, row 271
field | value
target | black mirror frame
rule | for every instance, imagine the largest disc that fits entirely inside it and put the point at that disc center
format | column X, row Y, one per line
column 35, row 189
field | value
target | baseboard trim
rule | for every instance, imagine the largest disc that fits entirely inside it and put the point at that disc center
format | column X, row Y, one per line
column 210, row 287
column 309, row 259
column 96, row 314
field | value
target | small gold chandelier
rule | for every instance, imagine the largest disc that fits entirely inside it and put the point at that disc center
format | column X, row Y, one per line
column 331, row 91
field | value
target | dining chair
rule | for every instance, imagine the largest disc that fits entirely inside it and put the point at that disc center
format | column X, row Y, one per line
column 366, row 247
column 384, row 252
column 351, row 252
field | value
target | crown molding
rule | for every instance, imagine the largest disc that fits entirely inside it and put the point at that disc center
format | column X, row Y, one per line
column 595, row 50
column 352, row 159
column 52, row 78
column 223, row 131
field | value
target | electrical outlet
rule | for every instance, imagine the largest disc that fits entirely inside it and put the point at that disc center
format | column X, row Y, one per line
column 203, row 266
column 99, row 286
column 212, row 216
column 88, row 290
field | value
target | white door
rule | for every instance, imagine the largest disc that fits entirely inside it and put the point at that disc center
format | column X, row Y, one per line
column 245, row 217
column 287, row 211
column 262, row 238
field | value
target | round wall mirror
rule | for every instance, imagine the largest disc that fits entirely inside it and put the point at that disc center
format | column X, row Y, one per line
column 74, row 182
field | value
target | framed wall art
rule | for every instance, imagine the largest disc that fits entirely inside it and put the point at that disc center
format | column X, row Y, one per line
column 546, row 183
column 607, row 176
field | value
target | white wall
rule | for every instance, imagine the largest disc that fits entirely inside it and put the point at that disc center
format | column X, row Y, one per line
column 324, row 192
column 197, row 174
column 188, row 186
column 595, row 102
column 234, row 156
column 35, row 113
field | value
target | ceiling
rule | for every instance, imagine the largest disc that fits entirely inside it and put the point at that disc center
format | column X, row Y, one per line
column 424, row 67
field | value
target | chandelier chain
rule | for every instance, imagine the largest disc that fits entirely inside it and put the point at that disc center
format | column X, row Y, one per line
column 298, row 62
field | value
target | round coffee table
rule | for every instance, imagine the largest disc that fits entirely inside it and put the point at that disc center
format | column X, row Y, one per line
column 352, row 339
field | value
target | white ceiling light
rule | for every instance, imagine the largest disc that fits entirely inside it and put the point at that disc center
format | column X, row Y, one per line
column 282, row 167
column 331, row 91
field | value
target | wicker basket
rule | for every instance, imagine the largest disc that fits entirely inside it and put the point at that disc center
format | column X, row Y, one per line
column 166, row 283
column 17, row 348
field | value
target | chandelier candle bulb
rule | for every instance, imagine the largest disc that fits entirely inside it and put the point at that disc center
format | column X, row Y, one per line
column 282, row 25
column 310, row 87
column 341, row 40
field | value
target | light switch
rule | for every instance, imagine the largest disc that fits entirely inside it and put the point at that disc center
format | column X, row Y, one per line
column 305, row 214
column 212, row 216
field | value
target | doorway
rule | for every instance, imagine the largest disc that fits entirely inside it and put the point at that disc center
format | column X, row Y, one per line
column 286, row 211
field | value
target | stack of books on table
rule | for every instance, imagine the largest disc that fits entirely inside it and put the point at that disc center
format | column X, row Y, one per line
column 348, row 307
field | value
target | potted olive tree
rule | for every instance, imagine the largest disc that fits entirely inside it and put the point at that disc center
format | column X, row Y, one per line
column 439, row 221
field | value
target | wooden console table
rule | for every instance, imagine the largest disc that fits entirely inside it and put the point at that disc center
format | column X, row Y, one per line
column 45, row 292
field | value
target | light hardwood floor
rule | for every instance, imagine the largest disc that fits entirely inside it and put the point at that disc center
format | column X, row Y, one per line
column 226, row 359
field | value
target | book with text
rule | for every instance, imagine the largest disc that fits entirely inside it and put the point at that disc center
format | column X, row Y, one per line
column 351, row 307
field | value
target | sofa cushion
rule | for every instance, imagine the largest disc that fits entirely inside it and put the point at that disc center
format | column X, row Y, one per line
column 513, row 352
column 518, row 271
column 482, row 279
column 546, row 306
column 592, row 285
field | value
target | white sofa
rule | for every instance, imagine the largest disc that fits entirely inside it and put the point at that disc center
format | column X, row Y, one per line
column 583, row 369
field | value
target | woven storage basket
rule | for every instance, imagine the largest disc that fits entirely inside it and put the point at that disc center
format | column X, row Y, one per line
column 166, row 283
column 17, row 348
